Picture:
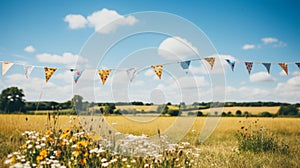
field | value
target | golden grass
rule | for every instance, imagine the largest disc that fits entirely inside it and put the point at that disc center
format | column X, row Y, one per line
column 216, row 151
column 252, row 110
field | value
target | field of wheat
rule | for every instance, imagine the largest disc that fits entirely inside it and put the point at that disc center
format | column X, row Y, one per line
column 219, row 150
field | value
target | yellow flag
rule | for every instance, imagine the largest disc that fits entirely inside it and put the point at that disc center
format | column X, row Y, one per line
column 158, row 70
column 211, row 61
column 104, row 75
column 284, row 66
column 6, row 66
column 49, row 72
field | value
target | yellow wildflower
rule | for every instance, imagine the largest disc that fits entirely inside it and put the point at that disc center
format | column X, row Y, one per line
column 43, row 153
column 76, row 153
column 48, row 132
column 82, row 143
column 39, row 159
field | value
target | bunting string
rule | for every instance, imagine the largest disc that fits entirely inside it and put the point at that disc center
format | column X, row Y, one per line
column 158, row 69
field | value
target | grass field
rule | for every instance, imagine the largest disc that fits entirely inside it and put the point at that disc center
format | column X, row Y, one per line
column 251, row 110
column 219, row 150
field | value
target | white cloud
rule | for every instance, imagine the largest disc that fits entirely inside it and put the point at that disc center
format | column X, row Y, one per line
column 66, row 58
column 289, row 91
column 176, row 47
column 29, row 49
column 106, row 21
column 103, row 21
column 266, row 42
column 261, row 77
column 149, row 72
column 296, row 73
column 35, row 87
column 248, row 46
column 269, row 40
column 76, row 21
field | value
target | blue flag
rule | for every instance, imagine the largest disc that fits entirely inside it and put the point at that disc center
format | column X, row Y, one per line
column 231, row 63
column 267, row 66
column 77, row 74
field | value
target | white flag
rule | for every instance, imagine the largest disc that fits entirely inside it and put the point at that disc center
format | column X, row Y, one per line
column 28, row 70
column 131, row 73
column 6, row 66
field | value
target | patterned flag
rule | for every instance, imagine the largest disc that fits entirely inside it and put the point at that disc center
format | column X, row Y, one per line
column 77, row 74
column 131, row 73
column 185, row 64
column 158, row 70
column 298, row 64
column 231, row 63
column 267, row 66
column 28, row 70
column 104, row 75
column 49, row 72
column 6, row 66
column 249, row 66
column 211, row 61
column 284, row 66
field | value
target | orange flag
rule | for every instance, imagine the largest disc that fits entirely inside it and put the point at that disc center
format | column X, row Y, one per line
column 49, row 72
column 211, row 61
column 104, row 75
column 158, row 70
column 6, row 66
column 284, row 66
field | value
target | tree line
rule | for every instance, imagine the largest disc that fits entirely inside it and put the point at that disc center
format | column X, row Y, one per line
column 12, row 100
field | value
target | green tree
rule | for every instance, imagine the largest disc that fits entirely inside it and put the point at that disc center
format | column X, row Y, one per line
column 163, row 109
column 238, row 113
column 288, row 110
column 77, row 103
column 12, row 100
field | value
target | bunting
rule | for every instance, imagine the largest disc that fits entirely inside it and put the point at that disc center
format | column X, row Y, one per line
column 49, row 72
column 104, row 75
column 284, row 66
column 249, row 66
column 28, row 69
column 267, row 66
column 298, row 64
column 77, row 74
column 6, row 66
column 211, row 61
column 185, row 65
column 131, row 73
column 158, row 70
column 231, row 63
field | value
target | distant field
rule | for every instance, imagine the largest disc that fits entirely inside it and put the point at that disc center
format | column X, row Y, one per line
column 252, row 110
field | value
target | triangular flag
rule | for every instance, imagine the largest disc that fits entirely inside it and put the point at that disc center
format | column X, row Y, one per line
column 6, row 66
column 77, row 74
column 158, row 70
column 49, row 72
column 104, row 75
column 185, row 64
column 267, row 66
column 249, row 66
column 284, row 66
column 298, row 64
column 231, row 63
column 211, row 61
column 28, row 70
column 131, row 73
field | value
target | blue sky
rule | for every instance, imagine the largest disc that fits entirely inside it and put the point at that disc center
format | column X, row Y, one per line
column 39, row 33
